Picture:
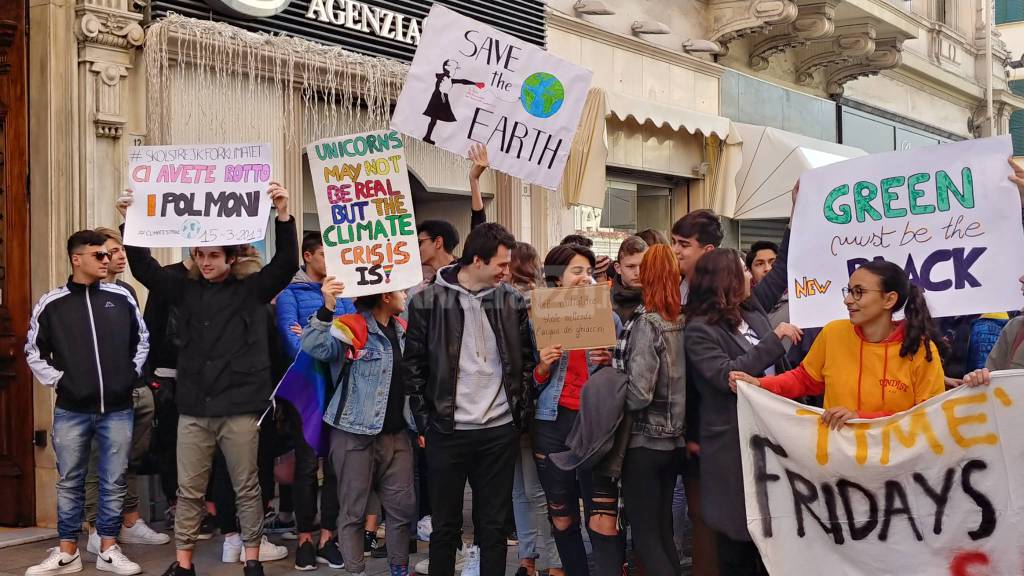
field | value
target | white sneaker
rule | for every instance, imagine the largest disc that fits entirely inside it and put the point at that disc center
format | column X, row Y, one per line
column 423, row 529
column 113, row 560
column 472, row 562
column 56, row 563
column 93, row 546
column 231, row 553
column 268, row 552
column 423, row 566
column 141, row 533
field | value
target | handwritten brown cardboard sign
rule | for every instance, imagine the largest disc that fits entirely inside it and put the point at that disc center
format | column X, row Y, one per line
column 576, row 318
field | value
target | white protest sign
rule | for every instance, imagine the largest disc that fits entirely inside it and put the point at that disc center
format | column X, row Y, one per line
column 934, row 490
column 366, row 215
column 472, row 83
column 198, row 195
column 947, row 214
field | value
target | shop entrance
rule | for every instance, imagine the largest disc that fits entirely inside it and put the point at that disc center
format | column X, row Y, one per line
column 17, row 479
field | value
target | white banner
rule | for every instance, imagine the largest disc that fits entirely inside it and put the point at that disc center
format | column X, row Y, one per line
column 366, row 215
column 936, row 490
column 472, row 83
column 198, row 195
column 947, row 214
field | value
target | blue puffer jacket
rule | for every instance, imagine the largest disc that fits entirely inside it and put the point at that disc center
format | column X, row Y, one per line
column 296, row 303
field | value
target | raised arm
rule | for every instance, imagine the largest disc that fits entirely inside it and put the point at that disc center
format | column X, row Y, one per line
column 770, row 289
column 317, row 340
column 276, row 275
column 478, row 154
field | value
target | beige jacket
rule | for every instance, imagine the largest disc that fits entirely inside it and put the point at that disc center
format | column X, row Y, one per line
column 1003, row 356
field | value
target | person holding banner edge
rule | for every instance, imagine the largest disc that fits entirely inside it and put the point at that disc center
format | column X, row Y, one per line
column 869, row 366
column 223, row 373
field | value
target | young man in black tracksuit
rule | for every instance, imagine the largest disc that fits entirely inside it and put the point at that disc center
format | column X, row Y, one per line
column 87, row 339
column 223, row 374
column 468, row 360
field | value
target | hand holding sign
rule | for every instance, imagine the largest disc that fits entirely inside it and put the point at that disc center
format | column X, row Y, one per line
column 331, row 289
column 1017, row 177
column 279, row 196
column 735, row 377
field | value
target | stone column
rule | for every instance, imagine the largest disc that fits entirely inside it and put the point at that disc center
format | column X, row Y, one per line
column 108, row 34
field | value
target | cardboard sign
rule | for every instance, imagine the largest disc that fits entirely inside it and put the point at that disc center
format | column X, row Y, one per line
column 201, row 195
column 933, row 490
column 366, row 215
column 576, row 318
column 947, row 214
column 472, row 83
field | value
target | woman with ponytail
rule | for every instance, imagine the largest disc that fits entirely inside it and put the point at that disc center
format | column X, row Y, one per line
column 871, row 365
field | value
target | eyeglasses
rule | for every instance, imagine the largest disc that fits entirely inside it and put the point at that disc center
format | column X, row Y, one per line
column 99, row 255
column 857, row 292
column 424, row 239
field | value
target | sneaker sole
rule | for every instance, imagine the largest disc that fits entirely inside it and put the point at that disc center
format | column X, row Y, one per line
column 69, row 569
column 305, row 568
column 328, row 563
column 103, row 567
column 143, row 541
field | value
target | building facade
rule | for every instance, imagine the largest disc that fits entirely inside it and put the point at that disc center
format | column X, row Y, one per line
column 684, row 89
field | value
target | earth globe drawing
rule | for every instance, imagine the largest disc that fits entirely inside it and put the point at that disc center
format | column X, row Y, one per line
column 190, row 229
column 542, row 94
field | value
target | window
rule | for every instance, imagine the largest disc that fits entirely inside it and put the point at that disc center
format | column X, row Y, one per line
column 1017, row 120
column 1008, row 11
column 630, row 205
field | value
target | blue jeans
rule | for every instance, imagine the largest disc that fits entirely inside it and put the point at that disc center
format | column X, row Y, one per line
column 531, row 511
column 73, row 433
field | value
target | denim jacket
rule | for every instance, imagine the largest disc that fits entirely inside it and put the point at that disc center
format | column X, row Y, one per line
column 547, row 401
column 360, row 402
column 656, row 367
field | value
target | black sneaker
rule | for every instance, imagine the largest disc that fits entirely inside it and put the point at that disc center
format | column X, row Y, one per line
column 378, row 549
column 275, row 525
column 305, row 557
column 369, row 542
column 175, row 569
column 253, row 568
column 330, row 555
column 207, row 528
column 512, row 539
column 522, row 571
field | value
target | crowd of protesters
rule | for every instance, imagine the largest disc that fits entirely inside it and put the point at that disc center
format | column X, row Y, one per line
column 442, row 385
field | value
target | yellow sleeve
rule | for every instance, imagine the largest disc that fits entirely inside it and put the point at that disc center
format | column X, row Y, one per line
column 929, row 379
column 814, row 362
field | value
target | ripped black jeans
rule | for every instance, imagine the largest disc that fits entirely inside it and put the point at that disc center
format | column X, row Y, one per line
column 564, row 490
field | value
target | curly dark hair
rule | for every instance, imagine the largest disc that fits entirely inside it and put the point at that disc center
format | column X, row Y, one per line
column 718, row 289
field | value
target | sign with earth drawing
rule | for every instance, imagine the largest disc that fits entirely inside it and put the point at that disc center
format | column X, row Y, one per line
column 472, row 83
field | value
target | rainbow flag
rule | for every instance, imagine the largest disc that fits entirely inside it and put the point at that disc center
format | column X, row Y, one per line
column 305, row 386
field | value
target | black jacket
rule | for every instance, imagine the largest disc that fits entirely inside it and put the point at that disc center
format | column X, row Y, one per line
column 91, row 343
column 433, row 343
column 224, row 358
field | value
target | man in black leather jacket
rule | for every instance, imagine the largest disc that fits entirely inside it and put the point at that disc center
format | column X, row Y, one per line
column 468, row 360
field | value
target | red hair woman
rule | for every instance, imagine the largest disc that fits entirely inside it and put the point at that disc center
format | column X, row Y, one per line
column 650, row 352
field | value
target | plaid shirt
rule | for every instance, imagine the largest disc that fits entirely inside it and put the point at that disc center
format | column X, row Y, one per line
column 619, row 354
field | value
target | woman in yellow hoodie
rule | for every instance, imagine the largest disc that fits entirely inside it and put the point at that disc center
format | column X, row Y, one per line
column 871, row 365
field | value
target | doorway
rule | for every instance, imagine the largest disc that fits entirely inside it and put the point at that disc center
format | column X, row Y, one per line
column 17, row 474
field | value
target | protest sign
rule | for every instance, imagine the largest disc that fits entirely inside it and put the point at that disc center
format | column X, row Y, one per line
column 366, row 214
column 933, row 490
column 576, row 318
column 947, row 214
column 471, row 83
column 198, row 195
